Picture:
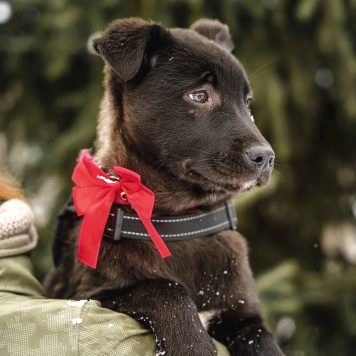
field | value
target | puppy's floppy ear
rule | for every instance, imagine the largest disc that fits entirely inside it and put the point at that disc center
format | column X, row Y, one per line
column 215, row 31
column 125, row 43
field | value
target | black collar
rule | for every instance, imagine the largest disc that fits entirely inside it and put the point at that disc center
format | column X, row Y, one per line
column 121, row 224
column 171, row 228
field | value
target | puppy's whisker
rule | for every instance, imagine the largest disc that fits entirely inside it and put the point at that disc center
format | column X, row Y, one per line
column 162, row 163
column 261, row 70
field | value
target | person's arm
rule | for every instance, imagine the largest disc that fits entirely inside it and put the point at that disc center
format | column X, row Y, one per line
column 31, row 324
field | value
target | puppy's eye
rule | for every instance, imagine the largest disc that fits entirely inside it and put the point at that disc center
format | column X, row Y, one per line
column 200, row 97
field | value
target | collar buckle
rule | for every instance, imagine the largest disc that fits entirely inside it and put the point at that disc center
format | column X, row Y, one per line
column 231, row 213
column 114, row 223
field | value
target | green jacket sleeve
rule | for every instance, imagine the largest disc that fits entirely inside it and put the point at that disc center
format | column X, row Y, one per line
column 31, row 324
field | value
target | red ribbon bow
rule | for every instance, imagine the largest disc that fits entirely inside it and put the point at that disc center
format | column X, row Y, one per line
column 93, row 197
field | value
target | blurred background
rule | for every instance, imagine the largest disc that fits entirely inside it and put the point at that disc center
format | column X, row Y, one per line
column 300, row 56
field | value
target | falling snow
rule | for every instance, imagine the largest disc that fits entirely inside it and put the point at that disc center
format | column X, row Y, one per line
column 76, row 303
column 77, row 321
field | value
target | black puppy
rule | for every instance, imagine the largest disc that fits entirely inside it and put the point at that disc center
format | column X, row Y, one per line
column 176, row 111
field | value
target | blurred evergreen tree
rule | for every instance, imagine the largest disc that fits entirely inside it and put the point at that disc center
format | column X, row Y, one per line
column 301, row 60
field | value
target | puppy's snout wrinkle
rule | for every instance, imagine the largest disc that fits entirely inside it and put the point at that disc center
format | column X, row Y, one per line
column 262, row 157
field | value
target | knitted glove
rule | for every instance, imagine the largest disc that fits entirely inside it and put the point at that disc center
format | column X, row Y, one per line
column 17, row 232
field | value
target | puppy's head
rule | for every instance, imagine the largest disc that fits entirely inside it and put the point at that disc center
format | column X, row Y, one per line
column 179, row 102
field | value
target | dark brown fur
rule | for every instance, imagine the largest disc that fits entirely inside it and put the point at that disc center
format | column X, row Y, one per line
column 189, row 154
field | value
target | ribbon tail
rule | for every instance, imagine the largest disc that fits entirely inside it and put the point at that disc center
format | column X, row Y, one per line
column 89, row 243
column 142, row 202
column 156, row 238
column 91, row 233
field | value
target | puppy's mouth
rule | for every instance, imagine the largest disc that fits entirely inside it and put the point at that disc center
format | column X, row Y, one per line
column 220, row 177
column 231, row 185
column 230, row 177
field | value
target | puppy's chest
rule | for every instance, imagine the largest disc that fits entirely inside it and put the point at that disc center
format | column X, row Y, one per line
column 215, row 290
column 212, row 275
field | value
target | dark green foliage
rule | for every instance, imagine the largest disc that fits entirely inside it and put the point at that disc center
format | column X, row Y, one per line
column 300, row 56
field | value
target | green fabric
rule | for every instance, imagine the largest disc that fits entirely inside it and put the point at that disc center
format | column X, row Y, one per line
column 32, row 325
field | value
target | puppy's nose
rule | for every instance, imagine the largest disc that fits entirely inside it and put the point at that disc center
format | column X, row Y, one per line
column 262, row 157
